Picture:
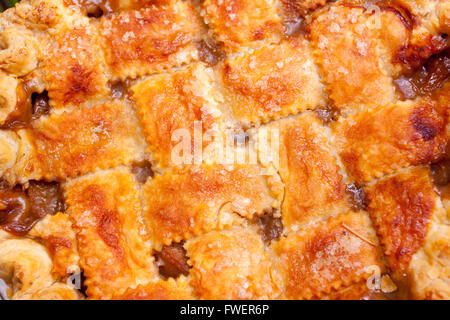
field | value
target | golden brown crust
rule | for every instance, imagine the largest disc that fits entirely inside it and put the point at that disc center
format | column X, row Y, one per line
column 410, row 221
column 232, row 264
column 170, row 103
column 8, row 96
column 331, row 255
column 73, row 70
column 91, row 7
column 444, row 16
column 57, row 291
column 58, row 236
column 20, row 53
column 271, row 82
column 429, row 268
column 161, row 290
column 105, row 210
column 314, row 187
column 380, row 141
column 186, row 202
column 142, row 42
column 358, row 291
column 27, row 263
column 402, row 207
column 75, row 142
column 9, row 148
column 349, row 58
column 41, row 14
column 103, row 97
column 241, row 23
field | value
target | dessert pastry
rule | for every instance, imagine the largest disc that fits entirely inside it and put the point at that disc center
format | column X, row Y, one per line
column 117, row 119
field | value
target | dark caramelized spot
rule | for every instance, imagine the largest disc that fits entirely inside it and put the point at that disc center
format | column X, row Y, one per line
column 172, row 261
column 3, row 184
column 142, row 170
column 55, row 243
column 327, row 114
column 356, row 197
column 271, row 227
column 293, row 22
column 210, row 52
column 21, row 209
column 119, row 89
column 29, row 106
column 40, row 105
column 427, row 124
column 429, row 77
column 441, row 172
column 404, row 285
column 96, row 12
column 96, row 8
column 45, row 198
column 21, row 115
column 16, row 216
column 414, row 56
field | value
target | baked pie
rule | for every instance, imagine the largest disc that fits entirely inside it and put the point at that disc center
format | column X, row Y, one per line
column 99, row 99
